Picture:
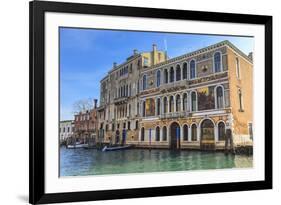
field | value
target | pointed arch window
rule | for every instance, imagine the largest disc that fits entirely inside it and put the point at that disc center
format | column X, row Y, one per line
column 192, row 69
column 158, row 78
column 166, row 76
column 158, row 110
column 217, row 62
column 193, row 101
column 184, row 72
column 157, row 134
column 221, row 131
column 143, row 109
column 142, row 134
column 185, row 132
column 164, row 133
column 219, row 97
column 144, row 82
column 178, row 73
column 178, row 103
column 172, row 74
column 194, row 132
column 171, row 108
column 165, row 102
column 184, row 103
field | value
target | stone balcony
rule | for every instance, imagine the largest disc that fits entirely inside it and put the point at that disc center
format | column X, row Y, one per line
column 121, row 100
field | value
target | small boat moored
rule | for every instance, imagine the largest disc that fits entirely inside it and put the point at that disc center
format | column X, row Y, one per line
column 115, row 148
column 76, row 145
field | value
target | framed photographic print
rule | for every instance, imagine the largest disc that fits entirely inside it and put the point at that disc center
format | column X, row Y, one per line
column 130, row 102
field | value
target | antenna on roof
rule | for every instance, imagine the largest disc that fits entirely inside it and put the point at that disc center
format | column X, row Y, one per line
column 166, row 48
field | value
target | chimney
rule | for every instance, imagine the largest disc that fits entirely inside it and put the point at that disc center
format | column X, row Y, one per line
column 154, row 47
column 114, row 64
column 135, row 51
column 250, row 55
column 95, row 103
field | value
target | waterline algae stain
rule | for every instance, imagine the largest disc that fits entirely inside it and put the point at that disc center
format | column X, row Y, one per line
column 83, row 162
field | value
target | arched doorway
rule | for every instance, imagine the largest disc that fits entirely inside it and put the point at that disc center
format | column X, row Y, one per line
column 175, row 136
column 207, row 135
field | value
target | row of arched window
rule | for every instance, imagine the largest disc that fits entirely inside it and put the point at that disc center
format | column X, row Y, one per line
column 124, row 91
column 221, row 132
column 177, row 74
column 180, row 102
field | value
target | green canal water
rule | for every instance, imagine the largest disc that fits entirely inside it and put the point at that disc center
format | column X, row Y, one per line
column 81, row 162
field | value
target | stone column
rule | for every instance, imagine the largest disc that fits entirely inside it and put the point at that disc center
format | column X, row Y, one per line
column 168, row 72
column 189, row 134
column 161, row 134
column 216, row 133
column 175, row 103
column 198, row 133
column 168, row 99
column 181, row 133
column 181, row 104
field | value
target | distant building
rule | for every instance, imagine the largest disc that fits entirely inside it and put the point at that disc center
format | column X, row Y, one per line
column 66, row 130
column 86, row 123
column 186, row 102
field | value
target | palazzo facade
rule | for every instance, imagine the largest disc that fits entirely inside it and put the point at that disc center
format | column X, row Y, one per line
column 187, row 102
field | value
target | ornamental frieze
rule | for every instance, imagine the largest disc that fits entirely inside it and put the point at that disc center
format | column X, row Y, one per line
column 208, row 78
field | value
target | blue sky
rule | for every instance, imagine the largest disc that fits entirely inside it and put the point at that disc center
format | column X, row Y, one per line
column 86, row 55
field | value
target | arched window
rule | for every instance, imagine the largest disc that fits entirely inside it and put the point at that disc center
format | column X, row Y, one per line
column 129, row 109
column 158, row 106
column 127, row 90
column 185, row 132
column 142, row 134
column 193, row 101
column 178, row 103
column 178, row 73
column 165, row 76
column 144, row 82
column 157, row 134
column 219, row 97
column 158, row 78
column 137, row 125
column 172, row 74
column 184, row 72
column 171, row 108
column 165, row 102
column 184, row 103
column 164, row 133
column 237, row 67
column 217, row 62
column 221, row 130
column 192, row 69
column 143, row 109
column 194, row 132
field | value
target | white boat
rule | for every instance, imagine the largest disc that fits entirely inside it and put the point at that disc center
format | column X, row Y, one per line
column 77, row 145
column 106, row 148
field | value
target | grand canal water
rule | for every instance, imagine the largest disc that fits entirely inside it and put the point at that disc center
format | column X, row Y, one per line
column 81, row 162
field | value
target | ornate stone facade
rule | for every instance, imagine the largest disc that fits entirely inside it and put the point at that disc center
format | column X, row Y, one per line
column 184, row 102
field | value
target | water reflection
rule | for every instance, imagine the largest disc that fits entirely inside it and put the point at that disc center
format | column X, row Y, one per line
column 78, row 162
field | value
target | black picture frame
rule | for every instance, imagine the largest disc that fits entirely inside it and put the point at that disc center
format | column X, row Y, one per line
column 37, row 10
